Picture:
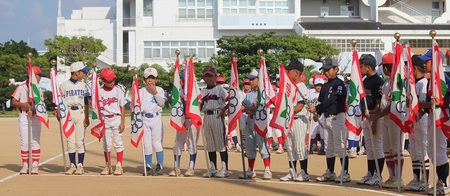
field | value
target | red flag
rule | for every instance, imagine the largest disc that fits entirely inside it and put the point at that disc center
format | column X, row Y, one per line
column 234, row 103
column 177, row 112
column 98, row 124
column 137, row 125
column 356, row 92
column 192, row 95
column 35, row 96
column 413, row 103
column 65, row 116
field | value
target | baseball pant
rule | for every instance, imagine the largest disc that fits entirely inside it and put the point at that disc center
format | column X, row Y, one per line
column 75, row 142
column 336, row 135
column 418, row 150
column 112, row 133
column 252, row 140
column 214, row 129
column 296, row 140
column 153, row 134
column 190, row 135
column 391, row 135
column 441, row 144
column 377, row 146
column 316, row 129
column 35, row 132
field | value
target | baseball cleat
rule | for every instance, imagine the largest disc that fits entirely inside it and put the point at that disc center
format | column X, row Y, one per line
column 35, row 168
column 24, row 169
column 327, row 176
column 190, row 172
column 174, row 172
column 441, row 189
column 343, row 177
column 375, row 180
column 267, row 174
column 290, row 176
column 149, row 171
column 212, row 173
column 71, row 169
column 105, row 171
column 223, row 173
column 412, row 184
column 80, row 169
column 364, row 179
column 302, row 177
column 119, row 170
column 249, row 173
column 159, row 171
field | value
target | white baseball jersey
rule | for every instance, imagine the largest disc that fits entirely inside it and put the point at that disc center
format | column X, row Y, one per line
column 385, row 99
column 303, row 91
column 214, row 98
column 112, row 100
column 149, row 102
column 418, row 143
column 74, row 92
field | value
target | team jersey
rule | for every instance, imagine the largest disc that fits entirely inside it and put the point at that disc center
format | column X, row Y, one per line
column 385, row 99
column 213, row 98
column 74, row 92
column 332, row 97
column 149, row 103
column 21, row 94
column 304, row 91
column 112, row 100
column 373, row 86
column 250, row 100
column 421, row 89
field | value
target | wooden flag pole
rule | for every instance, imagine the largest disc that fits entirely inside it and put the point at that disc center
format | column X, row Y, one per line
column 432, row 34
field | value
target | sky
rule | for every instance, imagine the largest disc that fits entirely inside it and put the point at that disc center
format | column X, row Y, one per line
column 35, row 20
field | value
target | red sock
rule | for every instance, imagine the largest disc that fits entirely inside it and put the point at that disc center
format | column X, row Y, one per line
column 389, row 158
column 24, row 154
column 269, row 142
column 266, row 162
column 36, row 154
column 397, row 165
column 280, row 140
column 107, row 156
column 251, row 164
column 120, row 157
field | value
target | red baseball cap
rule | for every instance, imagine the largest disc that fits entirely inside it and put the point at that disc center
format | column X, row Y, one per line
column 246, row 81
column 387, row 58
column 108, row 74
column 37, row 71
column 220, row 79
column 302, row 78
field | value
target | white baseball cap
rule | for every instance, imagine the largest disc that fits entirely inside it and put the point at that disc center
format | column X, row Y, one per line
column 319, row 81
column 78, row 66
column 150, row 72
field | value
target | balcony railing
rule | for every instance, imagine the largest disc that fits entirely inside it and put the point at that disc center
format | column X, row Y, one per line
column 129, row 22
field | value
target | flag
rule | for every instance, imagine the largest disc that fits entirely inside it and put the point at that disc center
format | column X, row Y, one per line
column 439, row 89
column 177, row 111
column 413, row 104
column 401, row 86
column 98, row 124
column 64, row 113
column 283, row 116
column 35, row 96
column 137, row 124
column 193, row 95
column 234, row 103
column 266, row 96
column 356, row 92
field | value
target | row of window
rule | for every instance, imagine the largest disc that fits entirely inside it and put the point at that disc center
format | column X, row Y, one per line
column 250, row 7
column 166, row 49
column 364, row 45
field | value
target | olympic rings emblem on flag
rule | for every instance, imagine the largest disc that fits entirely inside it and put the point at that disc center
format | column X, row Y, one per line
column 261, row 114
column 288, row 118
column 233, row 102
column 354, row 110
column 62, row 110
column 177, row 111
column 40, row 108
column 137, row 120
column 400, row 106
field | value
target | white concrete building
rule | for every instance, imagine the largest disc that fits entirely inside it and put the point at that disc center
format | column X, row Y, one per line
column 149, row 31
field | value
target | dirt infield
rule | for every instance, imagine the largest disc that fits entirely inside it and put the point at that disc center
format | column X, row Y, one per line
column 52, row 181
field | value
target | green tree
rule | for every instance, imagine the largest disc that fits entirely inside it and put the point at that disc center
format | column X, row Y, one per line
column 20, row 48
column 72, row 49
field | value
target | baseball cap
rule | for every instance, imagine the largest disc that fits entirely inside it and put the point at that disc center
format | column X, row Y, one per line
column 302, row 78
column 295, row 64
column 253, row 74
column 37, row 71
column 319, row 81
column 78, row 66
column 246, row 81
column 427, row 56
column 209, row 70
column 108, row 74
column 416, row 61
column 387, row 58
column 328, row 64
column 368, row 59
column 220, row 79
column 150, row 72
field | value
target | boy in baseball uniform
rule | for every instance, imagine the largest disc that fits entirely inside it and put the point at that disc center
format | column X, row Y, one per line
column 332, row 99
column 113, row 112
column 296, row 140
column 153, row 99
column 315, row 127
column 27, row 110
column 213, row 106
column 75, row 95
column 189, row 136
column 252, row 139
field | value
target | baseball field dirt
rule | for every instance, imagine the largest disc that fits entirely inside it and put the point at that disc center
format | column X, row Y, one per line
column 52, row 181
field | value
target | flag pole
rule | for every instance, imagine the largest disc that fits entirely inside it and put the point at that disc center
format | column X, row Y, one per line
column 399, row 147
column 176, row 165
column 423, row 168
column 53, row 63
column 432, row 34
column 142, row 143
column 30, row 157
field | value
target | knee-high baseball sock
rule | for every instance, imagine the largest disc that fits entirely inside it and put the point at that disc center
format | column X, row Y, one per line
column 304, row 165
column 442, row 172
column 160, row 158
column 381, row 165
column 176, row 162
column 251, row 164
column 224, row 158
column 107, row 156
column 149, row 160
column 235, row 141
column 311, row 144
column 267, row 162
column 81, row 158
column 322, row 144
column 269, row 142
column 213, row 159
column 330, row 164
column 390, row 163
column 120, row 158
column 293, row 165
column 72, row 158
column 280, row 141
column 346, row 163
column 371, row 167
column 416, row 166
column 192, row 159
column 427, row 169
column 36, row 154
column 397, row 164
column 25, row 158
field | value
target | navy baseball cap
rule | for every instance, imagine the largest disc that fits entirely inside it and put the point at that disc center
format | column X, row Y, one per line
column 368, row 59
column 209, row 70
column 253, row 74
column 328, row 64
column 295, row 64
column 416, row 61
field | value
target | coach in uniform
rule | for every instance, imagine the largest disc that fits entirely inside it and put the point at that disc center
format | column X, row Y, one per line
column 332, row 101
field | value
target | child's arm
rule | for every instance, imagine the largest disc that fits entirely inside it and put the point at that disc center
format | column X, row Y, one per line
column 122, row 119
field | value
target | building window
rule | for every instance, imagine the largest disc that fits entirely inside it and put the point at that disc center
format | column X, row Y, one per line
column 426, row 43
column 239, row 6
column 148, row 7
column 273, row 7
column 364, row 45
column 166, row 49
column 193, row 9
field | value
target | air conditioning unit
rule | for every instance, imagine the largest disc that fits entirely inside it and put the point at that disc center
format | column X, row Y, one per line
column 324, row 10
column 347, row 10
